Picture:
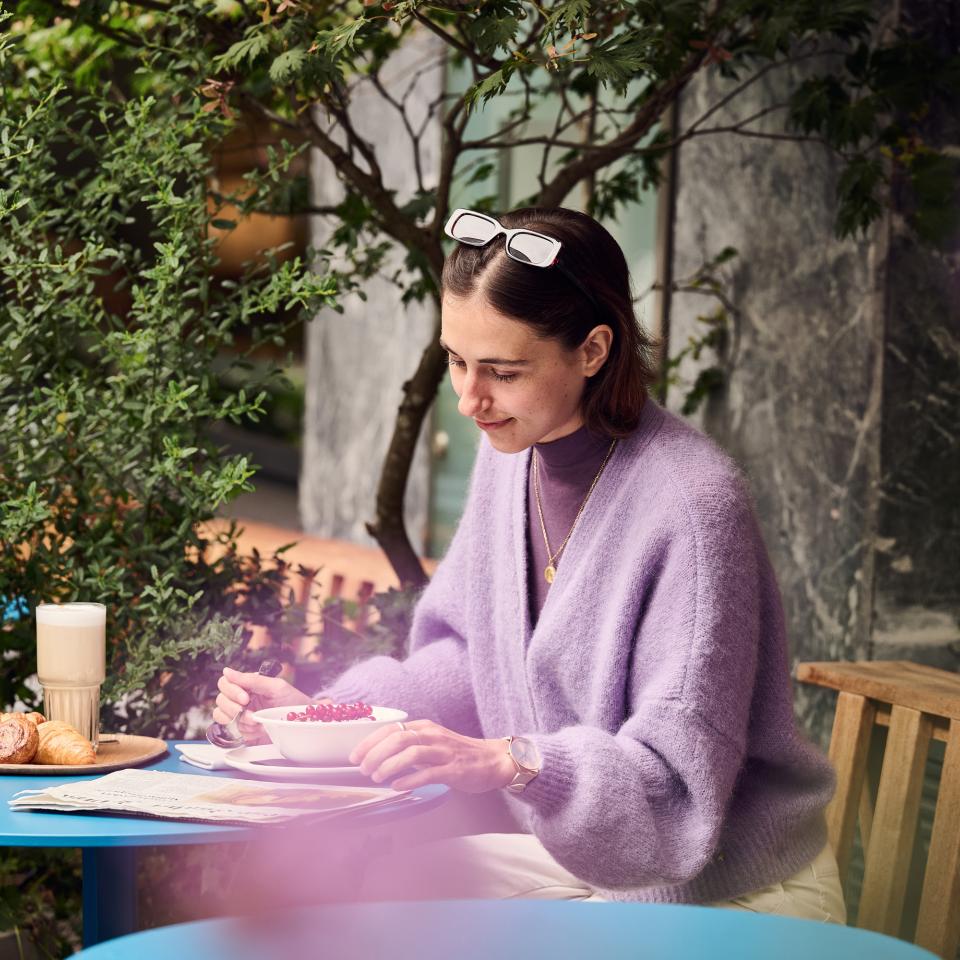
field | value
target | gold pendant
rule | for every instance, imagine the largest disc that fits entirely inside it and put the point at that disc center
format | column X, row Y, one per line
column 549, row 573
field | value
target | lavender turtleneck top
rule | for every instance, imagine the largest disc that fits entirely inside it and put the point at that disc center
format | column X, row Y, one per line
column 566, row 469
column 655, row 682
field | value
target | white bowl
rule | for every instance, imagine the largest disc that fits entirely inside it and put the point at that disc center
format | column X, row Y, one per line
column 319, row 743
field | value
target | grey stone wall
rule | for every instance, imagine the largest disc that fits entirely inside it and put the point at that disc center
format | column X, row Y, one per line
column 357, row 361
column 917, row 605
column 841, row 397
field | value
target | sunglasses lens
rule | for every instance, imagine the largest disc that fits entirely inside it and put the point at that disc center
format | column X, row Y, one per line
column 532, row 248
column 469, row 228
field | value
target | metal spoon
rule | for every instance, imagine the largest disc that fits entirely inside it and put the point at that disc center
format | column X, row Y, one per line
column 229, row 735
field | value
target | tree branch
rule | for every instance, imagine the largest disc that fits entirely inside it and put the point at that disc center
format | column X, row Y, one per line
column 391, row 221
column 490, row 140
column 489, row 143
column 354, row 140
column 563, row 182
column 596, row 157
column 431, row 111
column 258, row 107
column 536, row 31
column 558, row 127
column 738, row 127
column 753, row 78
column 414, row 137
column 454, row 124
column 452, row 41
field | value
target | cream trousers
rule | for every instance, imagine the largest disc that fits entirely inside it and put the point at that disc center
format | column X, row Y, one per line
column 499, row 866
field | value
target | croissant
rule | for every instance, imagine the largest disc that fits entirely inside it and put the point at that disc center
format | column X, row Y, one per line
column 32, row 715
column 62, row 743
column 19, row 738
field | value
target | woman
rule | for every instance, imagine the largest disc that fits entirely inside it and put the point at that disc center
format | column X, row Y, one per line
column 604, row 639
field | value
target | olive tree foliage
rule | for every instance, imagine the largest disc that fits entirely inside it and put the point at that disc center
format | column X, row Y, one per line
column 608, row 73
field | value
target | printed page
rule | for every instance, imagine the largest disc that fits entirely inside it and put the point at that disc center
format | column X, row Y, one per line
column 182, row 796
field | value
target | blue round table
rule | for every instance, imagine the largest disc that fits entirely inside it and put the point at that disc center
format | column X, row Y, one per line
column 531, row 929
column 109, row 843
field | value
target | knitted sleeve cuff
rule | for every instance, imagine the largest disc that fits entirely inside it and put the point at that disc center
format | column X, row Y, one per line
column 550, row 790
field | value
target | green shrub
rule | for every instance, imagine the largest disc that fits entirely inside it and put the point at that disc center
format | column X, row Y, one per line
column 40, row 899
column 113, row 336
column 113, row 327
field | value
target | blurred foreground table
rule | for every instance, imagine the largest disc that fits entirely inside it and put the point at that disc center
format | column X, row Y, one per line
column 482, row 929
column 110, row 842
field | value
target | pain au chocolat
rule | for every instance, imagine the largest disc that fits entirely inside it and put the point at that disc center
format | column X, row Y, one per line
column 19, row 738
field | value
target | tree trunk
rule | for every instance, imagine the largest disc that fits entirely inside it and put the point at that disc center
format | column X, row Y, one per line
column 388, row 527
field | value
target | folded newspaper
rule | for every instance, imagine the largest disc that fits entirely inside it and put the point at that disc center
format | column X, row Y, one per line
column 204, row 799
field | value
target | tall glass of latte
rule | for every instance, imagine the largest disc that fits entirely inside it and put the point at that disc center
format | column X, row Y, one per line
column 71, row 663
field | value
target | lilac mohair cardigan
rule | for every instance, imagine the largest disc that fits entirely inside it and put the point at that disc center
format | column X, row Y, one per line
column 655, row 683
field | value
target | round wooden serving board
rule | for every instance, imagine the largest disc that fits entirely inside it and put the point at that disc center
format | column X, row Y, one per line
column 128, row 751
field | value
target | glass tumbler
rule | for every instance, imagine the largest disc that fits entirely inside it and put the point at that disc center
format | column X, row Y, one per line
column 71, row 663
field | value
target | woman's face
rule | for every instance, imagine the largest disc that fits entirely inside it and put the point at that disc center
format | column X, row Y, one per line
column 518, row 388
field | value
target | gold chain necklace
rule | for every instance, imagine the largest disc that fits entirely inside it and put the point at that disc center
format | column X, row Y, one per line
column 553, row 558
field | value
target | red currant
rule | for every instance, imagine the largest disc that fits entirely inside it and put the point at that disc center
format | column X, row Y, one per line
column 333, row 712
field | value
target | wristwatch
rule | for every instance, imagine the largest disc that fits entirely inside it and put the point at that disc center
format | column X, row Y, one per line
column 526, row 758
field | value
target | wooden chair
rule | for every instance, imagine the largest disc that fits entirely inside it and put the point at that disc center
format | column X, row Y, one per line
column 917, row 704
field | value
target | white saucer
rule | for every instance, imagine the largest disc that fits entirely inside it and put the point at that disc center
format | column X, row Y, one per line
column 266, row 761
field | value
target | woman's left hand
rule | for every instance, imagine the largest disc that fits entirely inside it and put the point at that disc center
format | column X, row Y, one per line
column 436, row 755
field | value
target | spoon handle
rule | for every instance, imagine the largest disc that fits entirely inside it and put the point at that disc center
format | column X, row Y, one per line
column 269, row 668
column 229, row 734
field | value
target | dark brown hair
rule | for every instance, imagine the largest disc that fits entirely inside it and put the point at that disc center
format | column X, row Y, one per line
column 547, row 300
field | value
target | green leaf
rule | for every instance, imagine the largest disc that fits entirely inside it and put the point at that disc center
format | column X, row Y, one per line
column 569, row 16
column 816, row 102
column 491, row 86
column 418, row 206
column 288, row 65
column 482, row 172
column 708, row 381
column 858, row 193
column 613, row 191
column 491, row 32
column 617, row 61
column 935, row 213
column 342, row 39
column 250, row 48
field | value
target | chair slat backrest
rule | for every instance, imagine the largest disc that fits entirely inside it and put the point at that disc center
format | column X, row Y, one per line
column 918, row 704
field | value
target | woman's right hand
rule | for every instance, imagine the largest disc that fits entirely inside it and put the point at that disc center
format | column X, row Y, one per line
column 252, row 691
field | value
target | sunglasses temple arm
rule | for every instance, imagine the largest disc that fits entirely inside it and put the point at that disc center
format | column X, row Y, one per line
column 576, row 282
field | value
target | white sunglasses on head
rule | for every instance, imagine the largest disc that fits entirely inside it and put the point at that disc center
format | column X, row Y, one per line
column 527, row 246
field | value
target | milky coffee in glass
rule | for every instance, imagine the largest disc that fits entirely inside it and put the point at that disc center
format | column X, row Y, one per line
column 71, row 663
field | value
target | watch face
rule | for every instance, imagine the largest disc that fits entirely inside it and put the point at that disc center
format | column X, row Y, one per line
column 525, row 752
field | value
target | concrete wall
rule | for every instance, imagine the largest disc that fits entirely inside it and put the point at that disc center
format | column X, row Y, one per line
column 357, row 361
column 842, row 397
